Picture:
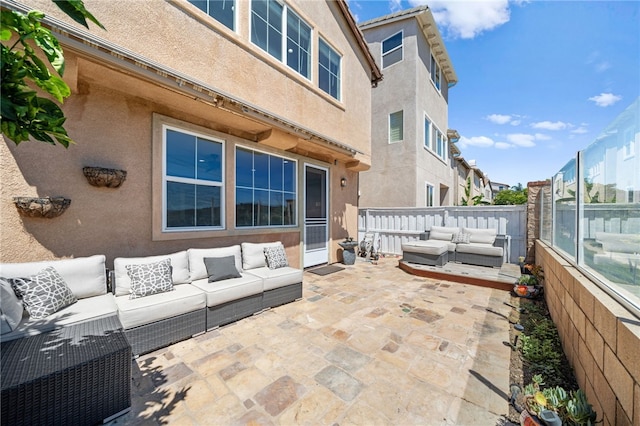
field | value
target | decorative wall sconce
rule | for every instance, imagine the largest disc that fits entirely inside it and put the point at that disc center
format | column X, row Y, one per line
column 343, row 182
column 48, row 207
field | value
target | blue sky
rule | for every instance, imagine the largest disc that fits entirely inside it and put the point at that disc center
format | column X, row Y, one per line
column 538, row 80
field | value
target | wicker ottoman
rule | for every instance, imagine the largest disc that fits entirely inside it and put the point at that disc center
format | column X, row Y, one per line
column 429, row 252
column 78, row 374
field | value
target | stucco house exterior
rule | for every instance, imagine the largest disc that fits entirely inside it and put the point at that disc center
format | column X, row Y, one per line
column 235, row 121
column 410, row 165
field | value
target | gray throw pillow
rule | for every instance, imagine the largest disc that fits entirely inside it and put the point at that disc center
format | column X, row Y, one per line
column 276, row 257
column 11, row 307
column 43, row 293
column 150, row 278
column 221, row 268
column 461, row 238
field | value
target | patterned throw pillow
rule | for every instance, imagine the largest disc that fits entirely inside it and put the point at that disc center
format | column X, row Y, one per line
column 461, row 238
column 150, row 278
column 43, row 293
column 276, row 257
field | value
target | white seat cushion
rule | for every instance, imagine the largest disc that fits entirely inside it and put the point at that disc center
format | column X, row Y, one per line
column 476, row 248
column 253, row 254
column 179, row 269
column 433, row 247
column 482, row 236
column 219, row 292
column 83, row 310
column 197, row 268
column 443, row 233
column 85, row 276
column 182, row 299
column 275, row 278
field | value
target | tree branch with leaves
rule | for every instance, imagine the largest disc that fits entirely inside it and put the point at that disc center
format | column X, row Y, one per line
column 26, row 114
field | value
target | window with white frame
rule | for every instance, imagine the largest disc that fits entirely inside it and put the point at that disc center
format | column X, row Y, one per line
column 329, row 63
column 271, row 24
column 396, row 126
column 265, row 189
column 392, row 51
column 222, row 11
column 435, row 72
column 193, row 171
column 427, row 133
column 429, row 195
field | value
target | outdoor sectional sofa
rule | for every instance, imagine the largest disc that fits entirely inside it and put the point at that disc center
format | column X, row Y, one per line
column 441, row 244
column 101, row 326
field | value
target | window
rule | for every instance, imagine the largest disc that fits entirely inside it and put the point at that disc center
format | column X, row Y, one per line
column 265, row 189
column 427, row 133
column 298, row 45
column 220, row 10
column 392, row 50
column 396, row 132
column 435, row 72
column 329, row 70
column 192, row 181
column 268, row 32
column 429, row 195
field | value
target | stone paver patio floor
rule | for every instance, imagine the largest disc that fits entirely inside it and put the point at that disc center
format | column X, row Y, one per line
column 367, row 345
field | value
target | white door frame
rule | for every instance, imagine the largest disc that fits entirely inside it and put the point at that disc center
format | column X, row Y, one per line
column 316, row 230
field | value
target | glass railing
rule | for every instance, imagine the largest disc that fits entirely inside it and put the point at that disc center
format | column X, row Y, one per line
column 592, row 215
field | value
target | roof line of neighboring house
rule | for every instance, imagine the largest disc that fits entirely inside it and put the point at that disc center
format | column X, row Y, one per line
column 431, row 33
column 376, row 74
column 104, row 50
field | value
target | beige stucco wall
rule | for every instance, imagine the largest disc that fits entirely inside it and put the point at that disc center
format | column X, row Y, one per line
column 600, row 338
column 110, row 115
column 181, row 37
column 400, row 171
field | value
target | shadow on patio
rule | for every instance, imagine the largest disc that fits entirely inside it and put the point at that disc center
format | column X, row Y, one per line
column 370, row 344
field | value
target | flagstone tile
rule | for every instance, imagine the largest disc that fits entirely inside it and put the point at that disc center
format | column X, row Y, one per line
column 279, row 395
column 339, row 382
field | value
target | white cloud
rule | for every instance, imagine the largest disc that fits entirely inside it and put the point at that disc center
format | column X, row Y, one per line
column 499, row 118
column 522, row 139
column 549, row 125
column 503, row 145
column 467, row 19
column 605, row 99
column 395, row 5
column 541, row 137
column 515, row 122
column 580, row 130
column 603, row 66
column 479, row 141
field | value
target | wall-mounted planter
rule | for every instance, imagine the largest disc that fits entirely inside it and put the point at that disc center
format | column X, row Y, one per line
column 48, row 207
column 103, row 177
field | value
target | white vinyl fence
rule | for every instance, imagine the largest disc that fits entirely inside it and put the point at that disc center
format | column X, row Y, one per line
column 397, row 225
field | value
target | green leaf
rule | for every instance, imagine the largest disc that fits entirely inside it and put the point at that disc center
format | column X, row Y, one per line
column 56, row 87
column 5, row 34
column 51, row 48
column 76, row 10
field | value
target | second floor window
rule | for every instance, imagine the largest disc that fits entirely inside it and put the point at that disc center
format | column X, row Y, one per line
column 396, row 124
column 435, row 72
column 220, row 10
column 271, row 24
column 329, row 70
column 392, row 50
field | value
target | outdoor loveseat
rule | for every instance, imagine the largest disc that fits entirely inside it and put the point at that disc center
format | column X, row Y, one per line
column 66, row 357
column 441, row 244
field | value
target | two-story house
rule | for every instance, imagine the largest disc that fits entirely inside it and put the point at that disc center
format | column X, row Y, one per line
column 242, row 120
column 410, row 164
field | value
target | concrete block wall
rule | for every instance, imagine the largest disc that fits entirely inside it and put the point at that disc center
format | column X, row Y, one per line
column 600, row 338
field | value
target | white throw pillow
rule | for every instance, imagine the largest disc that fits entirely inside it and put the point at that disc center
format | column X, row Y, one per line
column 253, row 254
column 461, row 238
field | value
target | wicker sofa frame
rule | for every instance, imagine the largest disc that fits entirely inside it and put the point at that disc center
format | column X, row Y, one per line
column 501, row 240
column 77, row 374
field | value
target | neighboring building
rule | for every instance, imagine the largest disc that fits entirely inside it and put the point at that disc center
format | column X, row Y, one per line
column 235, row 121
column 466, row 171
column 497, row 187
column 410, row 163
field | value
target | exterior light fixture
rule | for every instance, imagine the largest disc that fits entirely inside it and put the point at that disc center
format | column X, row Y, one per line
column 343, row 182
